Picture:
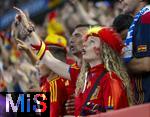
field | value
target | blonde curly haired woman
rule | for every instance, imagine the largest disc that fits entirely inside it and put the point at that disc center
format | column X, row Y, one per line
column 101, row 56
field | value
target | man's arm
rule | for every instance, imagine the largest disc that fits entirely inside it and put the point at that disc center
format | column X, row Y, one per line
column 48, row 59
column 139, row 65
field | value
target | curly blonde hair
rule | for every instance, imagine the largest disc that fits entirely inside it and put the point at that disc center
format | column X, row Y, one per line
column 113, row 62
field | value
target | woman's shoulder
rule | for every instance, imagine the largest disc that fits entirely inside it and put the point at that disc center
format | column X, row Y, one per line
column 111, row 77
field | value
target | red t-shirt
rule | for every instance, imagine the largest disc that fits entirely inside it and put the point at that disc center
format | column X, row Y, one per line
column 110, row 93
column 58, row 94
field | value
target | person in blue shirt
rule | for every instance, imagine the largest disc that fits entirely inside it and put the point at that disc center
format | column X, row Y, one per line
column 137, row 49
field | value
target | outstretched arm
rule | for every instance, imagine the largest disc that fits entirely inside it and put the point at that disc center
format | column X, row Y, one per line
column 56, row 65
column 48, row 59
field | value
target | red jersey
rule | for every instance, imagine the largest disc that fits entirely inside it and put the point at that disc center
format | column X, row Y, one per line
column 44, row 84
column 110, row 93
column 71, row 85
column 58, row 94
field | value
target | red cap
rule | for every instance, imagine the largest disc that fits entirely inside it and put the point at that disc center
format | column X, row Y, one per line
column 109, row 36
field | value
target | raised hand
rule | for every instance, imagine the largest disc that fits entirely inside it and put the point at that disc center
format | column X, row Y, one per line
column 22, row 17
column 22, row 45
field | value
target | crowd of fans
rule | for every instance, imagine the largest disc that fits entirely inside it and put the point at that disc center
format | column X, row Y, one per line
column 17, row 71
column 14, row 67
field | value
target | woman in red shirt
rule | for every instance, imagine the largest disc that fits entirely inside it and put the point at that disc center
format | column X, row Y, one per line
column 101, row 52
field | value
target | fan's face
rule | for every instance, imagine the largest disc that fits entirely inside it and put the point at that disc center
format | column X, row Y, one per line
column 91, row 48
column 77, row 39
